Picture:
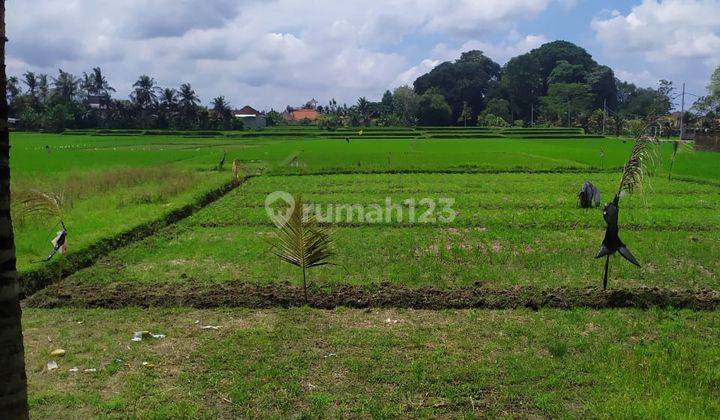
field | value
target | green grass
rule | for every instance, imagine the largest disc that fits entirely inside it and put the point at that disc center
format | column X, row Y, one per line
column 517, row 224
column 112, row 184
column 511, row 229
column 414, row 257
column 380, row 363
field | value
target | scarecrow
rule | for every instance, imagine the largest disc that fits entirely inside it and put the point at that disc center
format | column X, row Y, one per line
column 632, row 178
column 59, row 243
column 589, row 196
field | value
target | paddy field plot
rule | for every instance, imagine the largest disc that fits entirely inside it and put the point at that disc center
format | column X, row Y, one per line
column 516, row 225
column 509, row 229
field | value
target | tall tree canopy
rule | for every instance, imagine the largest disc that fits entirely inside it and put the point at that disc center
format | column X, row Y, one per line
column 548, row 55
column 522, row 83
column 467, row 80
column 433, row 109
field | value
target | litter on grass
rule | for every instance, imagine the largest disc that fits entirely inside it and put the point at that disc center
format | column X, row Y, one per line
column 210, row 327
column 139, row 335
column 52, row 365
column 57, row 353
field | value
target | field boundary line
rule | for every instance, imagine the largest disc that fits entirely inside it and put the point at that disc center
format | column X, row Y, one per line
column 33, row 280
column 548, row 226
column 79, row 294
column 459, row 170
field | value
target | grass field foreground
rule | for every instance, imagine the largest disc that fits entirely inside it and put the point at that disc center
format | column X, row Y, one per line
column 374, row 363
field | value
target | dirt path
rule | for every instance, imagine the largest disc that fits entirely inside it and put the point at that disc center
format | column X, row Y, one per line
column 237, row 294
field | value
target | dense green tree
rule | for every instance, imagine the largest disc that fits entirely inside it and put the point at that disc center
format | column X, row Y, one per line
column 387, row 102
column 498, row 107
column 603, row 85
column 548, row 55
column 714, row 86
column 633, row 102
column 274, row 118
column 522, row 83
column 468, row 79
column 405, row 104
column 487, row 119
column 564, row 72
column 433, row 109
column 565, row 100
column 465, row 115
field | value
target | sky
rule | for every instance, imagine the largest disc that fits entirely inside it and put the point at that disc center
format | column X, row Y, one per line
column 273, row 53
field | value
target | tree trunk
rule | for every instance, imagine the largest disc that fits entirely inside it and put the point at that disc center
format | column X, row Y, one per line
column 13, row 383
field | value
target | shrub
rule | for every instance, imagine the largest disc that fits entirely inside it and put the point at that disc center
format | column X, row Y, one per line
column 491, row 120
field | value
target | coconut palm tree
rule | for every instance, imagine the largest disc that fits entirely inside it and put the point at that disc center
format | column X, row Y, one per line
column 12, row 88
column 169, row 99
column 363, row 107
column 13, row 388
column 31, row 81
column 188, row 103
column 65, row 86
column 144, row 93
column 96, row 84
column 43, row 87
column 222, row 111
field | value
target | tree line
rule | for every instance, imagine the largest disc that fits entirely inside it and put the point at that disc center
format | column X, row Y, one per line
column 556, row 84
column 39, row 101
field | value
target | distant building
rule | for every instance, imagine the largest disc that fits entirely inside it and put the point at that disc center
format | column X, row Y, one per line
column 309, row 111
column 97, row 101
column 301, row 114
column 675, row 119
column 251, row 117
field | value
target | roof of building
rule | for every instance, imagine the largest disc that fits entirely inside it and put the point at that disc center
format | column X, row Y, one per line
column 247, row 111
column 301, row 114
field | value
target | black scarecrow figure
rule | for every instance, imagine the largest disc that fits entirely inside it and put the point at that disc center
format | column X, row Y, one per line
column 632, row 177
column 59, row 243
column 589, row 196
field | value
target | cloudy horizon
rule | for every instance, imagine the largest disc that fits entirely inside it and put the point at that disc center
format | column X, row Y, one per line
column 284, row 52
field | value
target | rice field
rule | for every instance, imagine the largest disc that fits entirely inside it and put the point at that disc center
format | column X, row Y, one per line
column 513, row 223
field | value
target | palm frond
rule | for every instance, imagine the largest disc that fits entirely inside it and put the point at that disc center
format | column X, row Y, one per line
column 642, row 157
column 28, row 203
column 302, row 242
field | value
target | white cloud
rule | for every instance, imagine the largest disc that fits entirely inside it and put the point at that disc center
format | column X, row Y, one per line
column 640, row 78
column 501, row 52
column 264, row 53
column 664, row 31
column 514, row 44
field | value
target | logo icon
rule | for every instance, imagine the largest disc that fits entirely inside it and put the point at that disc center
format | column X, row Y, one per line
column 279, row 205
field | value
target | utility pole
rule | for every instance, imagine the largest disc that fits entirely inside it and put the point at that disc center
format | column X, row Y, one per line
column 568, row 112
column 604, row 115
column 532, row 115
column 682, row 113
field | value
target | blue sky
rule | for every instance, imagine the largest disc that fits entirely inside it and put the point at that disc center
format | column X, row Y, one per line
column 280, row 52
